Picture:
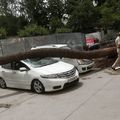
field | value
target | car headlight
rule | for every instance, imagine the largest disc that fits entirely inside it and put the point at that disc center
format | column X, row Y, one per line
column 81, row 62
column 49, row 76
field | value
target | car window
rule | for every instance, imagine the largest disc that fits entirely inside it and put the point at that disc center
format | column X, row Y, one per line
column 7, row 66
column 14, row 65
column 18, row 65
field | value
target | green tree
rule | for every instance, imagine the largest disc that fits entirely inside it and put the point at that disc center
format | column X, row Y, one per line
column 83, row 16
column 35, row 11
column 10, row 17
column 110, row 15
column 3, row 33
column 32, row 30
column 9, row 7
column 12, row 24
column 55, row 13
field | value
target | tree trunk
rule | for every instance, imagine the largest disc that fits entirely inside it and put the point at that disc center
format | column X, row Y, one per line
column 55, row 52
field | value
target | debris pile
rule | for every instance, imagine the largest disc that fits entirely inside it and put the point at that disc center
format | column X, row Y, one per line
column 104, row 62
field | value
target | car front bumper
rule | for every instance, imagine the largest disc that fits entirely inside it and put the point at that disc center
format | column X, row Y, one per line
column 85, row 68
column 60, row 83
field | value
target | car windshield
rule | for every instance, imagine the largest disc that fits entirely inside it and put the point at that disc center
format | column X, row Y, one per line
column 38, row 62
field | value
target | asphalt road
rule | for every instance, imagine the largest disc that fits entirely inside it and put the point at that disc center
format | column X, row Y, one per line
column 96, row 97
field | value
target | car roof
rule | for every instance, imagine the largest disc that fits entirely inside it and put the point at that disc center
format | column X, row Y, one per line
column 49, row 46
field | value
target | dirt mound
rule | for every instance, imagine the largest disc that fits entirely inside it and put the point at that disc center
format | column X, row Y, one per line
column 104, row 62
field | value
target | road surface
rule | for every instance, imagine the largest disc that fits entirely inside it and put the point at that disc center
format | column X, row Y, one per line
column 96, row 97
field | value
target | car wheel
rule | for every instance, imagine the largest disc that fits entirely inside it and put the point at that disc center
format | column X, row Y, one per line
column 37, row 86
column 2, row 83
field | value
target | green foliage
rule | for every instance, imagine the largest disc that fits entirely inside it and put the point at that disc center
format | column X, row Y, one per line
column 33, row 30
column 3, row 33
column 12, row 24
column 56, row 8
column 83, row 16
column 56, row 12
column 63, row 30
column 55, row 23
column 35, row 11
column 78, row 15
column 110, row 12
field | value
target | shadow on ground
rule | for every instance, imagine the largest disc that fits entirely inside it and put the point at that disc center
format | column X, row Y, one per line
column 66, row 90
column 112, row 72
column 21, row 91
column 15, row 92
column 11, row 94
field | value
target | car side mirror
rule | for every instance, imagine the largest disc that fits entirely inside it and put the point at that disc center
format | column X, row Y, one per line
column 23, row 69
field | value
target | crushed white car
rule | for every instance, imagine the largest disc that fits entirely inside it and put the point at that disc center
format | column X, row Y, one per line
column 83, row 65
column 39, row 75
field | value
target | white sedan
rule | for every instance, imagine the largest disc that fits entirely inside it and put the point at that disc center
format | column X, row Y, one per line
column 38, row 74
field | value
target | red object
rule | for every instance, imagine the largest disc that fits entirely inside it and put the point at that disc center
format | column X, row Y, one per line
column 90, row 41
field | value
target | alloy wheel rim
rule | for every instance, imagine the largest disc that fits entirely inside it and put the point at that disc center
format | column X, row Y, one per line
column 37, row 87
column 2, row 83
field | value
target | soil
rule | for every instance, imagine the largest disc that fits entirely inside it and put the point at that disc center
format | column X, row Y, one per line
column 104, row 62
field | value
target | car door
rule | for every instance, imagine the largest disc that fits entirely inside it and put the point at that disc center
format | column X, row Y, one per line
column 14, row 77
column 7, row 74
column 22, row 78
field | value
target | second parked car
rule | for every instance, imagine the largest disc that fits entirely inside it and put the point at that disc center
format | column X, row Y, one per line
column 83, row 65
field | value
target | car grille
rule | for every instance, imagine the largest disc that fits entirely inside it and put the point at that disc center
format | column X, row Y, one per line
column 67, row 74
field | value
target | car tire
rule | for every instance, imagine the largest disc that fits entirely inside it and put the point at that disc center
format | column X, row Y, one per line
column 37, row 87
column 2, row 83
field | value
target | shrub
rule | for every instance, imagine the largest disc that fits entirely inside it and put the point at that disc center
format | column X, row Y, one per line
column 42, row 31
column 63, row 30
column 3, row 33
column 33, row 30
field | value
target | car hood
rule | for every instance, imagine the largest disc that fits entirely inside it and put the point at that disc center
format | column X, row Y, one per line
column 55, row 68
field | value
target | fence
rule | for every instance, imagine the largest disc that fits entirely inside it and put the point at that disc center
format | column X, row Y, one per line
column 16, row 45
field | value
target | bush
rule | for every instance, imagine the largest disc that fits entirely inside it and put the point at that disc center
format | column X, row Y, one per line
column 33, row 30
column 63, row 30
column 3, row 33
